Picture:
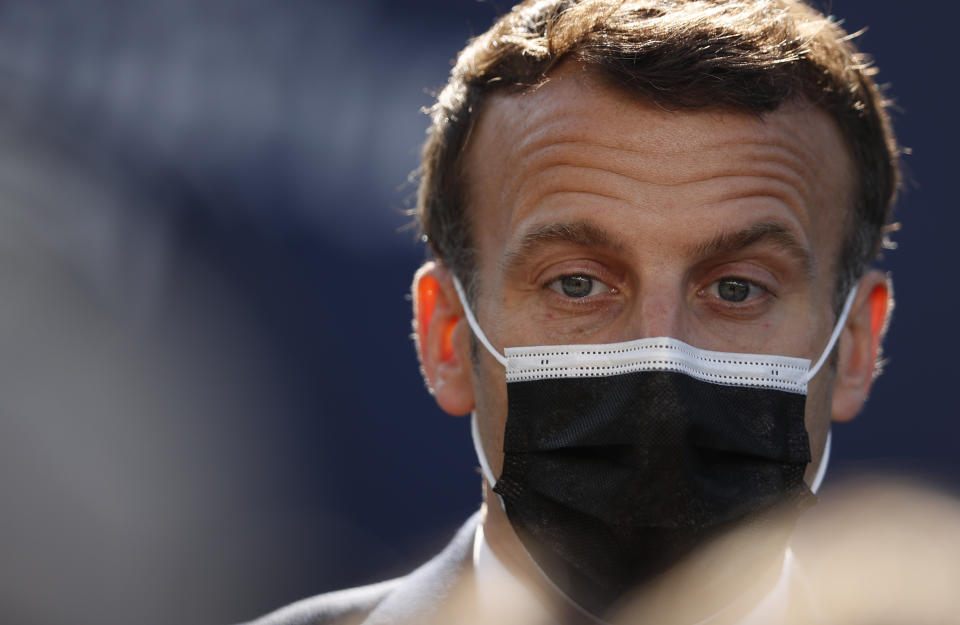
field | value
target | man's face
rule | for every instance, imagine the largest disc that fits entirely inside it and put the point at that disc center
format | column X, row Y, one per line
column 599, row 218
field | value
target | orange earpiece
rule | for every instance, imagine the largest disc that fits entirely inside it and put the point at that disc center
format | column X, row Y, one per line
column 428, row 289
column 879, row 300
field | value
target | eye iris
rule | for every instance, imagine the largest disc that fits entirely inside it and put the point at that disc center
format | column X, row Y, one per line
column 576, row 286
column 733, row 290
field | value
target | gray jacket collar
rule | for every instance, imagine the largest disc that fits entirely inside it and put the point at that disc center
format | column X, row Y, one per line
column 425, row 594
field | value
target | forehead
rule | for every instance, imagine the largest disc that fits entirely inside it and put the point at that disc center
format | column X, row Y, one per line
column 575, row 140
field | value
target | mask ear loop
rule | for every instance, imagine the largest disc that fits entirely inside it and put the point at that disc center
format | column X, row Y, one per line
column 841, row 322
column 474, row 430
column 822, row 469
column 482, row 457
column 472, row 322
column 488, row 474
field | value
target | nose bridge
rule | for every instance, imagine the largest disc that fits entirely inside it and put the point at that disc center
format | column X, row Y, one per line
column 658, row 310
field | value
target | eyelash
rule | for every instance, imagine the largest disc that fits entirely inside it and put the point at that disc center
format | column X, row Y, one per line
column 745, row 309
column 758, row 296
column 593, row 280
column 734, row 279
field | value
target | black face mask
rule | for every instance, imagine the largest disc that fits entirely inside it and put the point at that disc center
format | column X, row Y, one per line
column 620, row 459
column 610, row 481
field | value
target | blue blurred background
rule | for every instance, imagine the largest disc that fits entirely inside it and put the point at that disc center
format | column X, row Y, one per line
column 209, row 401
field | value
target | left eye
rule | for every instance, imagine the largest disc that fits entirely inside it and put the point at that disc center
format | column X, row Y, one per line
column 735, row 290
column 578, row 286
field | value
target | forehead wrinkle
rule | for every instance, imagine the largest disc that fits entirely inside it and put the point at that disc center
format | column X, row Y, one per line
column 637, row 194
column 658, row 137
column 772, row 162
column 601, row 182
column 759, row 177
column 791, row 129
column 795, row 137
column 579, row 233
column 742, row 188
column 543, row 140
column 764, row 147
column 800, row 130
column 783, row 163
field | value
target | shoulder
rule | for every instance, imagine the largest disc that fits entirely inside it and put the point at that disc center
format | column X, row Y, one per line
column 342, row 607
column 414, row 598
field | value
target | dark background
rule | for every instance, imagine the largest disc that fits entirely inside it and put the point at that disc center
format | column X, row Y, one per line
column 209, row 402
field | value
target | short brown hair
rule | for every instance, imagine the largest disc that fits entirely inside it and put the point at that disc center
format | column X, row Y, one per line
column 751, row 56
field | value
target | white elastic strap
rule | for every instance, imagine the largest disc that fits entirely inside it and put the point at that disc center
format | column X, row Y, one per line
column 487, row 473
column 479, row 542
column 471, row 320
column 841, row 322
column 478, row 449
column 822, row 469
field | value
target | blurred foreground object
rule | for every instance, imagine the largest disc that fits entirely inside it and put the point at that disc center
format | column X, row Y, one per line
column 872, row 552
column 885, row 552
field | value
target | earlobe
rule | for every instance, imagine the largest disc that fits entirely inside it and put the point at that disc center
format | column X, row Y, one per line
column 860, row 345
column 442, row 340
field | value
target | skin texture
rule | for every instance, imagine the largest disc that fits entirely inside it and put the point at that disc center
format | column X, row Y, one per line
column 657, row 208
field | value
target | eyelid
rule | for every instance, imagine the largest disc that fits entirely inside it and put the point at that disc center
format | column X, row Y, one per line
column 579, row 267
column 759, row 274
column 752, row 283
column 594, row 280
column 756, row 304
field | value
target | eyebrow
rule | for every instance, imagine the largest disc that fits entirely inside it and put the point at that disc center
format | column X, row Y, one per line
column 763, row 232
column 579, row 233
column 586, row 234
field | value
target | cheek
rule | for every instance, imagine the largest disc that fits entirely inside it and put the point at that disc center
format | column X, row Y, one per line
column 819, row 395
column 490, row 390
column 817, row 413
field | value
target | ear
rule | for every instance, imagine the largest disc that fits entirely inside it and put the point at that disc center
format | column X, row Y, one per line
column 443, row 342
column 857, row 361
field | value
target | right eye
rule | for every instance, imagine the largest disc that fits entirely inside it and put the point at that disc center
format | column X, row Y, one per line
column 735, row 290
column 578, row 286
